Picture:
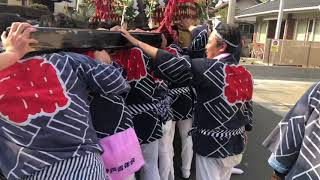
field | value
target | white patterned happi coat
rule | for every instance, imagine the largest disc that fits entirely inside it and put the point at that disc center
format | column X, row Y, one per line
column 295, row 142
column 223, row 108
column 44, row 110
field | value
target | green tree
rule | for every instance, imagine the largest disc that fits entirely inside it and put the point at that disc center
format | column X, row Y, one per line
column 223, row 13
column 84, row 12
column 203, row 9
column 39, row 6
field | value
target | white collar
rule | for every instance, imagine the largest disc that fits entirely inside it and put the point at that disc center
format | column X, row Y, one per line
column 221, row 56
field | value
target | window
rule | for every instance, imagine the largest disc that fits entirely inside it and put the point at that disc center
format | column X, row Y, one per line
column 241, row 27
column 4, row 1
column 252, row 29
column 310, row 30
column 263, row 33
column 317, row 31
column 246, row 28
column 301, row 30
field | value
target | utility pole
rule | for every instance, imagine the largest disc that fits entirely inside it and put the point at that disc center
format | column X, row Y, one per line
column 231, row 11
column 78, row 3
column 24, row 2
column 279, row 22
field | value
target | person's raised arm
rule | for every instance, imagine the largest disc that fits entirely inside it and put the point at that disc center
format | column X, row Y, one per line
column 16, row 44
column 176, row 69
column 149, row 50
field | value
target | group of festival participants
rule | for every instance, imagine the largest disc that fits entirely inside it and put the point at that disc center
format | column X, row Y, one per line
column 54, row 108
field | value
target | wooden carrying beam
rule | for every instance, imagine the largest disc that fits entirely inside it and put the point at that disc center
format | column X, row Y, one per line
column 64, row 39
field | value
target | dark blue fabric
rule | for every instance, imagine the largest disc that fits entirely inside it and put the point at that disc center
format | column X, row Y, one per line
column 200, row 37
column 182, row 105
column 213, row 111
column 295, row 141
column 109, row 113
column 148, row 125
column 66, row 133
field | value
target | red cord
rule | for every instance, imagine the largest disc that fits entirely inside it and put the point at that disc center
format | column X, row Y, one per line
column 102, row 9
column 168, row 19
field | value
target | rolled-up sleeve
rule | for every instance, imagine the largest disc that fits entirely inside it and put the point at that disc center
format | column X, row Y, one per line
column 276, row 165
column 287, row 140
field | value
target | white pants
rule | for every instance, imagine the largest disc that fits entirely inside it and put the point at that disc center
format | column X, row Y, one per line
column 167, row 152
column 184, row 127
column 132, row 177
column 150, row 154
column 215, row 168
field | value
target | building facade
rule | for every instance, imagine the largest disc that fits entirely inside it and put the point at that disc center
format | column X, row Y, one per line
column 300, row 30
column 301, row 20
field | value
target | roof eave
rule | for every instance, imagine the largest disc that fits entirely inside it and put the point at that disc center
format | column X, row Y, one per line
column 276, row 11
column 256, row 14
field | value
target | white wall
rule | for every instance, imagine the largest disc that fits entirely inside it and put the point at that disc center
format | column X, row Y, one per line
column 59, row 7
column 15, row 2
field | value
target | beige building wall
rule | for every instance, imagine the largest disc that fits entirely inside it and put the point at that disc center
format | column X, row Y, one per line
column 60, row 7
column 16, row 2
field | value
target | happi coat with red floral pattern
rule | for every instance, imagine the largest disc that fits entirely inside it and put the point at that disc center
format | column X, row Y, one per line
column 223, row 107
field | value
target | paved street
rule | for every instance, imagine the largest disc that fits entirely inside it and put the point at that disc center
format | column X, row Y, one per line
column 273, row 98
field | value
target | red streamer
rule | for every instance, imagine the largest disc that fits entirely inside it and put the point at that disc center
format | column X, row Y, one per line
column 103, row 9
column 168, row 19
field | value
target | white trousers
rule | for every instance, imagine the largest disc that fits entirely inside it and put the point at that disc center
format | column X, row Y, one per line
column 165, row 155
column 132, row 177
column 166, row 151
column 150, row 170
column 184, row 127
column 215, row 168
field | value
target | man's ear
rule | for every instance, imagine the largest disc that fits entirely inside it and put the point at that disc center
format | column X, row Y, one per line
column 223, row 47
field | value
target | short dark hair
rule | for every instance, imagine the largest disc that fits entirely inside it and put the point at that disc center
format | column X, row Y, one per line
column 6, row 19
column 169, row 37
column 230, row 35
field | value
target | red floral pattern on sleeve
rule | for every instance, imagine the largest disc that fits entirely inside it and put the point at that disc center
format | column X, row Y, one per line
column 30, row 89
column 132, row 61
column 239, row 84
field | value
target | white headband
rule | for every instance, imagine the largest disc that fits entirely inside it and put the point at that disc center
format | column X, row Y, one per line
column 220, row 36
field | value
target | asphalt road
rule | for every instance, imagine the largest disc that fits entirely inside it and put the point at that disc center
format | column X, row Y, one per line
column 255, row 158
